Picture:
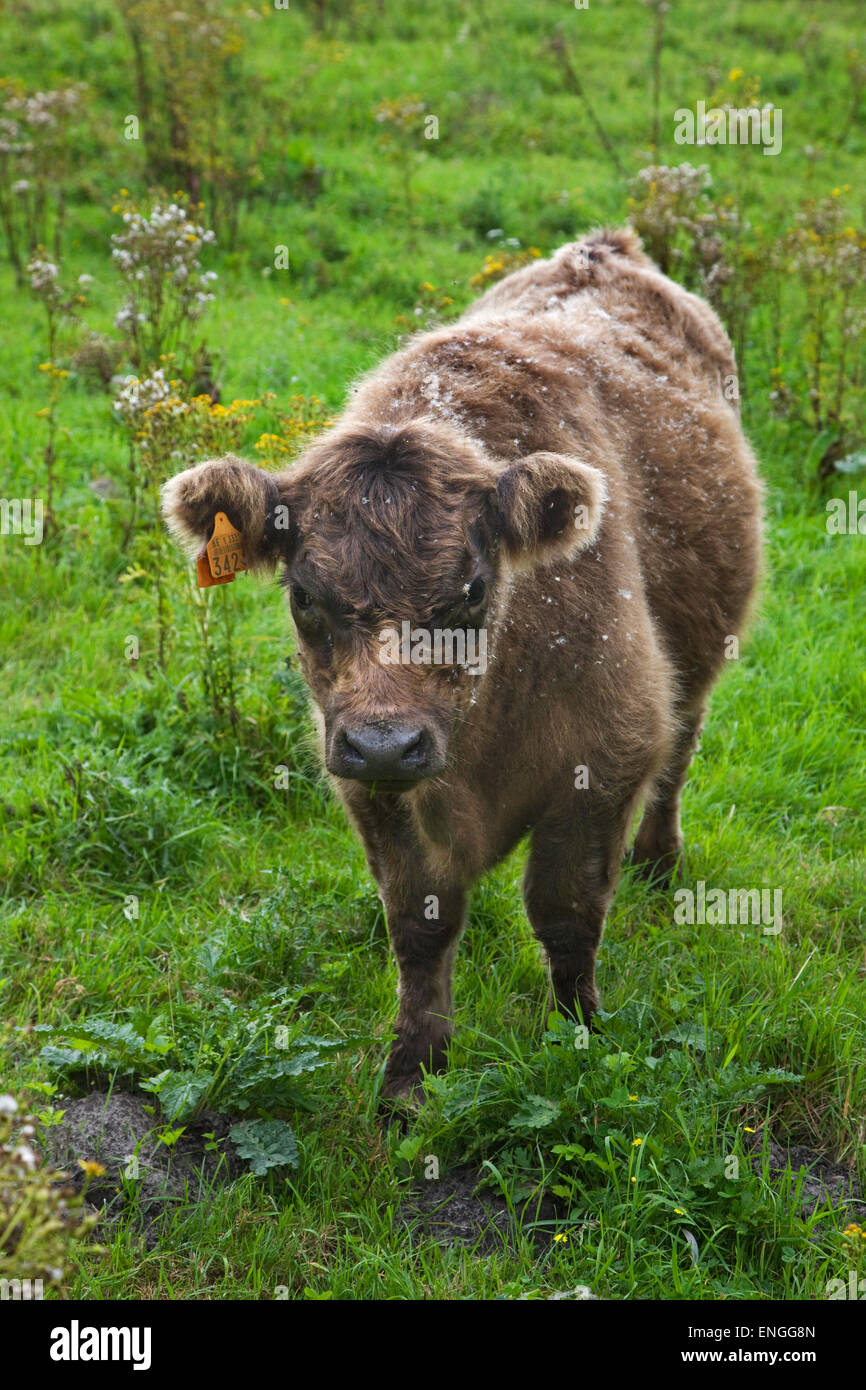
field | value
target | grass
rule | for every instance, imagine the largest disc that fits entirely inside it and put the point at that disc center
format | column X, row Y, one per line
column 117, row 782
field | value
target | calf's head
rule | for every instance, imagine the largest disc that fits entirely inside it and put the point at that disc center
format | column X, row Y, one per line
column 396, row 546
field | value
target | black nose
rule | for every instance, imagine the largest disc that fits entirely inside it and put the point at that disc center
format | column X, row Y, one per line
column 381, row 752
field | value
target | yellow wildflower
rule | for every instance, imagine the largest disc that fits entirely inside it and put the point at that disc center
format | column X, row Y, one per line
column 91, row 1167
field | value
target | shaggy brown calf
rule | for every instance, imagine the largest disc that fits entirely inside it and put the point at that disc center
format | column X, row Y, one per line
column 561, row 473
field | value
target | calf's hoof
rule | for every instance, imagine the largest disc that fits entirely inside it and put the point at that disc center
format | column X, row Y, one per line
column 401, row 1097
column 397, row 1113
column 405, row 1090
column 580, row 1010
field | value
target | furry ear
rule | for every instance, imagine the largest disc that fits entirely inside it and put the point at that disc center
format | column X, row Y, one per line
column 550, row 506
column 250, row 498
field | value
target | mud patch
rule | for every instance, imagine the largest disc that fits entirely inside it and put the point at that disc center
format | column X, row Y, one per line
column 454, row 1211
column 823, row 1182
column 141, row 1173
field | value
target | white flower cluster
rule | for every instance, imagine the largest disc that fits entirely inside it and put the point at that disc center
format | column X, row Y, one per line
column 676, row 180
column 682, row 228
column 163, row 247
column 22, row 1153
column 826, row 245
column 36, row 1213
column 43, row 274
column 126, row 317
column 140, row 394
column 12, row 138
column 45, row 108
column 44, row 278
column 36, row 119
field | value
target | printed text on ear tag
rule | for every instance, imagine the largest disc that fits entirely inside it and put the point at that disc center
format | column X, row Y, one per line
column 224, row 555
column 203, row 574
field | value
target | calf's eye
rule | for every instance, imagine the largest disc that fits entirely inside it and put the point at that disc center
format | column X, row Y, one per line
column 302, row 599
column 475, row 592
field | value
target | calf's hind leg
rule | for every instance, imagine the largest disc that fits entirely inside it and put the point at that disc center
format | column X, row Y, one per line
column 659, row 842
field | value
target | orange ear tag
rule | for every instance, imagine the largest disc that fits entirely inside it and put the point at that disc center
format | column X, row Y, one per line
column 223, row 556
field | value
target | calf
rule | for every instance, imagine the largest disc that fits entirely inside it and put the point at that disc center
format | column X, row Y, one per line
column 560, row 481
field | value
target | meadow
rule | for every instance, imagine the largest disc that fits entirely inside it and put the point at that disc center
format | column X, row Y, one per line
column 185, row 911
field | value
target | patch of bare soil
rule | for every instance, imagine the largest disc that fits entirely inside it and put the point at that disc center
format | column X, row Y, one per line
column 823, row 1182
column 141, row 1172
column 454, row 1210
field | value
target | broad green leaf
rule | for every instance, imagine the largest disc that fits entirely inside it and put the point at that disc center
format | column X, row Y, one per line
column 265, row 1144
column 180, row 1091
column 535, row 1113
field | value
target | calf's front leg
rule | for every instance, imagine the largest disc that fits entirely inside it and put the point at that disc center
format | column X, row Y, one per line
column 425, row 930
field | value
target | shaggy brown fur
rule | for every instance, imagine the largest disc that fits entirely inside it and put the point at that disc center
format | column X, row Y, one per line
column 567, row 452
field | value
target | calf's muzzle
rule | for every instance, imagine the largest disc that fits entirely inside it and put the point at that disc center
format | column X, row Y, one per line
column 384, row 751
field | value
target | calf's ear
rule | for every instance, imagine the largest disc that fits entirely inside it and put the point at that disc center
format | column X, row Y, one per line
column 251, row 499
column 550, row 507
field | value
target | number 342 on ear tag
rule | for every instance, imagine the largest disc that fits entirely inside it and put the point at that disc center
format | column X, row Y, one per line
column 223, row 556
